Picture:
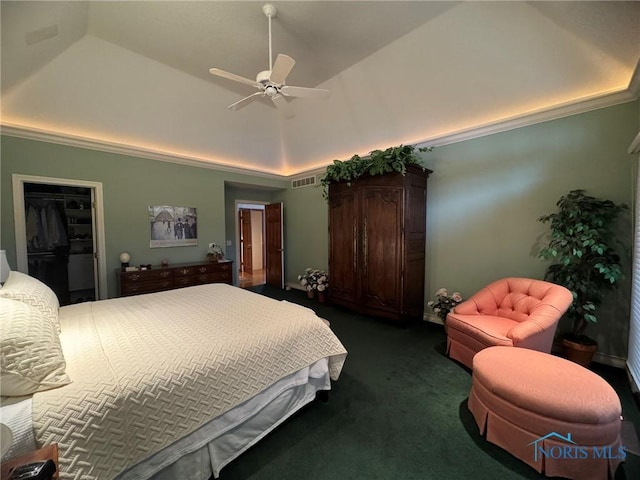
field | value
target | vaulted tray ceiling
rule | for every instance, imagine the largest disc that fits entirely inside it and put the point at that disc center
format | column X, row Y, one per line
column 133, row 76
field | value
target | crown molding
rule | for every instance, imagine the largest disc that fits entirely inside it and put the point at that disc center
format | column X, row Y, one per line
column 530, row 118
column 538, row 116
column 31, row 133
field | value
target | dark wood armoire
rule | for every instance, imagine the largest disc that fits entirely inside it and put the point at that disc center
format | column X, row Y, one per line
column 377, row 231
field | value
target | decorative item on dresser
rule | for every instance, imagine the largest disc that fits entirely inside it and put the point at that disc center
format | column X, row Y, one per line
column 159, row 278
column 377, row 235
column 124, row 260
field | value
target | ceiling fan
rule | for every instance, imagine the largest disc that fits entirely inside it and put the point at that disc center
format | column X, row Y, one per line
column 271, row 83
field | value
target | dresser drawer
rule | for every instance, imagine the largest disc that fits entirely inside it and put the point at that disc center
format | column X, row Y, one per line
column 183, row 281
column 137, row 288
column 221, row 277
column 224, row 267
column 160, row 278
column 203, row 278
column 145, row 276
column 185, row 271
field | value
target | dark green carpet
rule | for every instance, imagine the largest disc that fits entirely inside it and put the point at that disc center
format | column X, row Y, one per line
column 398, row 411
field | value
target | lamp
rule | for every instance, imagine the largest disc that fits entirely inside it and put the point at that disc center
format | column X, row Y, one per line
column 124, row 260
column 4, row 266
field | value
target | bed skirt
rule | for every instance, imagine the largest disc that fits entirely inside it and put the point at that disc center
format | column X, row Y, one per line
column 207, row 450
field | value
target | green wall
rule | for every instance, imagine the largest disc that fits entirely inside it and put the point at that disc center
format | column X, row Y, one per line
column 130, row 185
column 486, row 195
column 484, row 198
column 306, row 237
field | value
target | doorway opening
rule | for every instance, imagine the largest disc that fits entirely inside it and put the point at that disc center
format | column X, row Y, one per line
column 59, row 235
column 252, row 251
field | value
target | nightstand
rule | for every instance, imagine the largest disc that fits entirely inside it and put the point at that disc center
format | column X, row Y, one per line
column 45, row 453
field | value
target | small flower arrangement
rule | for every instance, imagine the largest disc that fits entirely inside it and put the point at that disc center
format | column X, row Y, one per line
column 314, row 279
column 444, row 303
column 215, row 252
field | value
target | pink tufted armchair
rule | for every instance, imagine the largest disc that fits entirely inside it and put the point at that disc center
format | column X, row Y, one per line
column 515, row 312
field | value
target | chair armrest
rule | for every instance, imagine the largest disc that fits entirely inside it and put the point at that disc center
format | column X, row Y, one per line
column 523, row 331
column 538, row 330
column 468, row 307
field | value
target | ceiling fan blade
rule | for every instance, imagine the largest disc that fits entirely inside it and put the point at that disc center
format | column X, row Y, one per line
column 304, row 92
column 245, row 101
column 281, row 68
column 233, row 76
column 283, row 106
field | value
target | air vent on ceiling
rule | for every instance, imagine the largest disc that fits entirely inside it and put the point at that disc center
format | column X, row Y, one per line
column 303, row 182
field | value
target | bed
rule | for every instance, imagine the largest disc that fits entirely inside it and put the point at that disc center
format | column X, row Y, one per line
column 166, row 385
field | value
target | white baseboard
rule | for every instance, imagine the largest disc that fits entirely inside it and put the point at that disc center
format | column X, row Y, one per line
column 611, row 360
column 294, row 286
column 430, row 317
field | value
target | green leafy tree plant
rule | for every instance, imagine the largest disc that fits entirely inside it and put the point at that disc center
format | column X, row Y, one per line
column 584, row 260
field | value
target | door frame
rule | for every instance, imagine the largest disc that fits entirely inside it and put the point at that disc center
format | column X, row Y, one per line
column 18, row 181
column 236, row 210
column 242, row 262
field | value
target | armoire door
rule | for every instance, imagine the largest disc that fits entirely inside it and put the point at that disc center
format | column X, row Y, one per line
column 344, row 229
column 381, row 240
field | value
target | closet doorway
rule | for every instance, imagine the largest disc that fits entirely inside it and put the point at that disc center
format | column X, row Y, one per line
column 59, row 236
column 251, row 245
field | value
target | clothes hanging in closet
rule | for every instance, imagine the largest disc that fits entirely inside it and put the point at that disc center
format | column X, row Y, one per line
column 44, row 225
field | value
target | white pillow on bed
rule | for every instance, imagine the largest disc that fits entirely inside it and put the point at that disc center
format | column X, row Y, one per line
column 31, row 358
column 32, row 291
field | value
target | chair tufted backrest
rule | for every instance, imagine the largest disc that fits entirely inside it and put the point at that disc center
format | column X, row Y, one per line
column 518, row 298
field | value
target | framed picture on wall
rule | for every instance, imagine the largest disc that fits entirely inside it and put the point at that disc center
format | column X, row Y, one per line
column 172, row 226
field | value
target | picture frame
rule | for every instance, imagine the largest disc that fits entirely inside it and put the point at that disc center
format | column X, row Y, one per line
column 172, row 226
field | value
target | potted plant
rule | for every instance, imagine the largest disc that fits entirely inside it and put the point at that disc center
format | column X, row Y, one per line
column 215, row 253
column 443, row 304
column 314, row 280
column 378, row 162
column 584, row 261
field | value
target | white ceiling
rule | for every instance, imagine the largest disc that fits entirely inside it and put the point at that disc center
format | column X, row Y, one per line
column 133, row 76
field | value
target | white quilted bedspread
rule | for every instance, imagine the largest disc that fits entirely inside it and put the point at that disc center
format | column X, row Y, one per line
column 149, row 369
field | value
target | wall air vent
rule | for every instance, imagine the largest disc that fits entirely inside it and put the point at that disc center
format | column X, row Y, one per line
column 303, row 182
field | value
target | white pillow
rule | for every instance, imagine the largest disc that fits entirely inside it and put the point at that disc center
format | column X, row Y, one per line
column 32, row 291
column 31, row 358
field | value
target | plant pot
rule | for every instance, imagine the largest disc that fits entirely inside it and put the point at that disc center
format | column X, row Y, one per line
column 578, row 352
column 322, row 297
column 310, row 293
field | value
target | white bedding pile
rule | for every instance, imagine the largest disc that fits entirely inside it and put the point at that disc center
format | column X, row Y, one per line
column 149, row 369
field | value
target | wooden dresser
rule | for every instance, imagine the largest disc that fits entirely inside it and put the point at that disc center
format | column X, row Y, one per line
column 160, row 278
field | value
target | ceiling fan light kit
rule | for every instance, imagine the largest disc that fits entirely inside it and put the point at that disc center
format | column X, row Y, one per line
column 271, row 83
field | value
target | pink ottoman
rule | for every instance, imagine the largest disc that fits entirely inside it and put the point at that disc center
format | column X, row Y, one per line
column 553, row 414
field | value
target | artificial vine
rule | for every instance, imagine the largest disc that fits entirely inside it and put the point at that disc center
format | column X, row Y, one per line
column 378, row 162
